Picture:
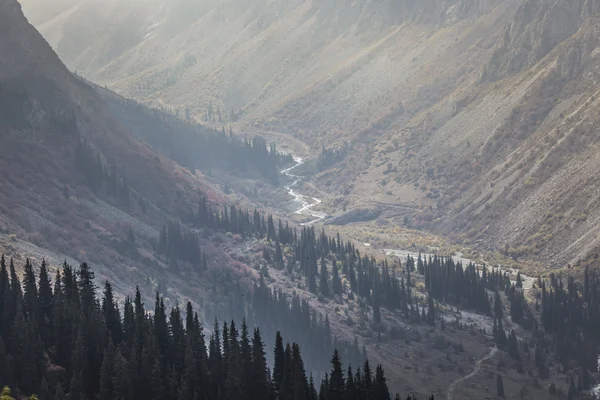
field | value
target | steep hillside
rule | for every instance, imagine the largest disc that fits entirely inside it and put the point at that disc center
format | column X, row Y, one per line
column 195, row 146
column 529, row 132
column 78, row 186
column 329, row 73
column 75, row 183
column 478, row 116
column 431, row 108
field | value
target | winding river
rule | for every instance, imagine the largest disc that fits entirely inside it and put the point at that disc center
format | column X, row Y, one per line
column 307, row 203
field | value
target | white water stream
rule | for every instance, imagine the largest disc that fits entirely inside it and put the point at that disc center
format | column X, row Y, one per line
column 307, row 203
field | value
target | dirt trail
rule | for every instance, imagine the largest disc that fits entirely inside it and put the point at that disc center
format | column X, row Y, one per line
column 454, row 384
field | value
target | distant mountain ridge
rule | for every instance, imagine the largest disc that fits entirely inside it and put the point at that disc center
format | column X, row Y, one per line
column 480, row 113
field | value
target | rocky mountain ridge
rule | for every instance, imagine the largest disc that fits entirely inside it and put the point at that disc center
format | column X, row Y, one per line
column 477, row 113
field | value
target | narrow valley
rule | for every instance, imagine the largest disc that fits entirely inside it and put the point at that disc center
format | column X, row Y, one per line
column 299, row 200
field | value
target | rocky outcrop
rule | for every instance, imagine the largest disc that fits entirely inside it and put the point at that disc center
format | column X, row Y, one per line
column 537, row 28
column 437, row 12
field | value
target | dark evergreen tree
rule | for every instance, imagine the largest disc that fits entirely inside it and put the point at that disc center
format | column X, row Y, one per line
column 499, row 386
column 337, row 384
column 106, row 373
column 380, row 388
column 376, row 314
column 336, row 283
column 498, row 313
column 45, row 304
column 324, row 279
column 260, row 381
column 430, row 310
column 513, row 346
column 279, row 364
column 155, row 358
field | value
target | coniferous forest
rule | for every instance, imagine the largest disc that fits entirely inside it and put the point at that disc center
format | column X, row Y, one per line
column 568, row 315
column 60, row 340
column 94, row 176
column 195, row 146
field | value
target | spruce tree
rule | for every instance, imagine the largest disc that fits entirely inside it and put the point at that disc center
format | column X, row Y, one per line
column 513, row 346
column 122, row 382
column 286, row 389
column 380, row 387
column 500, row 335
column 376, row 313
column 498, row 312
column 157, row 385
column 366, row 384
column 430, row 310
column 336, row 283
column 279, row 363
column 499, row 386
column 80, row 364
column 45, row 303
column 189, row 371
column 106, row 372
column 312, row 390
column 234, row 372
column 324, row 279
column 30, row 295
column 246, row 361
column 299, row 381
column 6, row 367
column 111, row 313
column 158, row 359
column 324, row 388
column 259, row 379
column 351, row 390
column 337, row 384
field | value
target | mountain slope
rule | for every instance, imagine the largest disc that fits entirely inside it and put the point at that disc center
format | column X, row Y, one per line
column 232, row 53
column 478, row 115
column 78, row 186
column 103, row 195
column 53, row 129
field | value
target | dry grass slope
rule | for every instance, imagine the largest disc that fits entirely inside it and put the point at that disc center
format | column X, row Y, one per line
column 481, row 113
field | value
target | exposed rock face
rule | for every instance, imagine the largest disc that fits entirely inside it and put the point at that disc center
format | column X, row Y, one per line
column 537, row 27
column 498, row 123
column 437, row 12
column 535, row 194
